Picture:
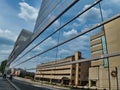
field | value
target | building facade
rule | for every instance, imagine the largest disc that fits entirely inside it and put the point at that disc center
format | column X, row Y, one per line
column 73, row 74
column 105, row 73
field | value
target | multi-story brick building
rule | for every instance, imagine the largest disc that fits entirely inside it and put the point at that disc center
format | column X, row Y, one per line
column 73, row 74
column 105, row 73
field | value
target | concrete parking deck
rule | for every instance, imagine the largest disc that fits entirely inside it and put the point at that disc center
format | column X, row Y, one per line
column 5, row 85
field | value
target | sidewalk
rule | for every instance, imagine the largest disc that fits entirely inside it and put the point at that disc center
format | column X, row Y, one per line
column 52, row 87
column 4, row 85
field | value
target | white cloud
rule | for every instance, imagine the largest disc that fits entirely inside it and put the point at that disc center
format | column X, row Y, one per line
column 76, row 24
column 50, row 18
column 46, row 59
column 45, row 45
column 115, row 2
column 27, row 12
column 5, row 52
column 50, row 42
column 7, row 39
column 80, row 43
column 64, row 52
column 93, row 14
column 23, row 0
column 56, row 23
column 70, row 33
column 8, row 34
column 37, row 49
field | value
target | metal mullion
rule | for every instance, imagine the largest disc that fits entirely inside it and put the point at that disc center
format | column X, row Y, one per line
column 61, row 27
column 85, row 60
column 49, row 19
column 46, row 14
column 35, row 36
column 80, row 34
column 81, row 60
column 43, row 6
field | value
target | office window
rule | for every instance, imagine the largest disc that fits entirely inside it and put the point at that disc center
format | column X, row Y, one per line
column 93, row 83
column 95, row 39
column 96, row 45
column 98, row 51
column 79, row 81
column 72, row 81
column 73, row 74
column 73, row 68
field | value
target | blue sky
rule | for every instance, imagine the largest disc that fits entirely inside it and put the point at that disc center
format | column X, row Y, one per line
column 18, row 14
column 14, row 16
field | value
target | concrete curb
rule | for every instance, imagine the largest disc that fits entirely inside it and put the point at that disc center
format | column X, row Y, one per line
column 13, row 84
column 51, row 87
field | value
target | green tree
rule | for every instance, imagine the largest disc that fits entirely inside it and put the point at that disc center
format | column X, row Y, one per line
column 2, row 67
column 9, row 71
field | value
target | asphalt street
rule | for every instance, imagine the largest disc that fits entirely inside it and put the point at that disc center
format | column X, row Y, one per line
column 27, row 86
column 5, row 85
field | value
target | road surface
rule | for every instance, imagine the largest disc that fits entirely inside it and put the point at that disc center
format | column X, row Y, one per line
column 28, row 86
column 5, row 85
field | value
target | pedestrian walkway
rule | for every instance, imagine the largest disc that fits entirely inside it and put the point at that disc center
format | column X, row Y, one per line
column 5, row 85
column 38, row 84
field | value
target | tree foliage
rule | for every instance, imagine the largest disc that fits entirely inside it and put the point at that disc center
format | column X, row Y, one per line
column 2, row 67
